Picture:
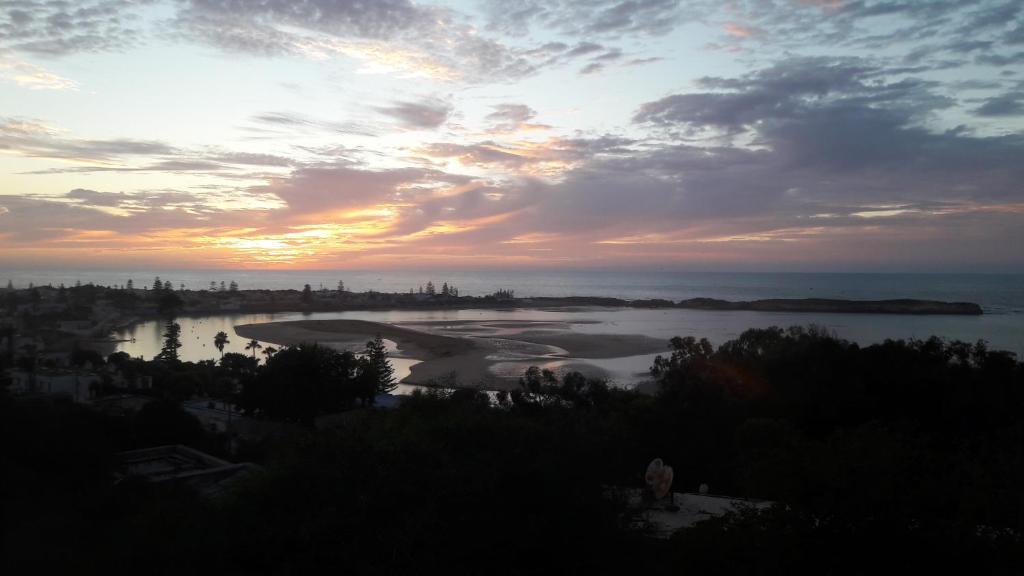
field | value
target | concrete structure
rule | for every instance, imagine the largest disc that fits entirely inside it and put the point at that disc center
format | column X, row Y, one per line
column 177, row 465
column 679, row 510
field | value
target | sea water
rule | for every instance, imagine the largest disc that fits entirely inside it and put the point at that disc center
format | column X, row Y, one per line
column 1000, row 295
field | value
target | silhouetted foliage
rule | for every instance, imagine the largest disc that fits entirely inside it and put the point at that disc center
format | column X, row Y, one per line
column 169, row 303
column 904, row 456
column 376, row 367
column 301, row 382
column 83, row 356
column 163, row 422
column 220, row 340
column 172, row 341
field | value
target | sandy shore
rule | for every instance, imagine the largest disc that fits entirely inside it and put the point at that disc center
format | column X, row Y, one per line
column 463, row 353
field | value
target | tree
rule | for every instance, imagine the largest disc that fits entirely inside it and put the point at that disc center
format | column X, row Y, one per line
column 131, row 285
column 253, row 345
column 233, row 287
column 444, row 289
column 341, row 287
column 219, row 341
column 82, row 356
column 169, row 303
column 430, row 288
column 298, row 383
column 269, row 351
column 165, row 422
column 172, row 341
column 213, row 286
column 157, row 283
column 307, row 294
column 223, row 287
column 376, row 364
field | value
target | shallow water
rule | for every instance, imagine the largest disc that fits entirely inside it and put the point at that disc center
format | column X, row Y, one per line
column 1003, row 331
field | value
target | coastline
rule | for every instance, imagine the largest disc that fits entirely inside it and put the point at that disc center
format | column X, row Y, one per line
column 468, row 353
column 332, row 303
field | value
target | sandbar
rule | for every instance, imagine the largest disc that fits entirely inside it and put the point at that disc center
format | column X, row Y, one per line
column 462, row 353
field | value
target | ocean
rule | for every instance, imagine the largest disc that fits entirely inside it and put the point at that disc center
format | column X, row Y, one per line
column 996, row 293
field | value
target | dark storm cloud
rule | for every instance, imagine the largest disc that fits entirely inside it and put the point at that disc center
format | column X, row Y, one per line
column 836, row 147
column 57, row 27
column 423, row 115
column 1010, row 104
column 794, row 89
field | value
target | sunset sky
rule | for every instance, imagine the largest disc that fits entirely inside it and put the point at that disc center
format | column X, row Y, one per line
column 755, row 134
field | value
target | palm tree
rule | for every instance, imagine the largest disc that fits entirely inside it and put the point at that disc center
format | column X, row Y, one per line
column 269, row 351
column 253, row 345
column 220, row 340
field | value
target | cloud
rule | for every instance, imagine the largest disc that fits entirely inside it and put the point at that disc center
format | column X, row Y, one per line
column 424, row 115
column 287, row 123
column 32, row 138
column 31, row 76
column 832, row 155
column 94, row 198
column 59, row 27
column 582, row 19
column 551, row 157
column 937, row 34
column 510, row 118
column 413, row 39
column 793, row 89
column 1010, row 104
column 314, row 190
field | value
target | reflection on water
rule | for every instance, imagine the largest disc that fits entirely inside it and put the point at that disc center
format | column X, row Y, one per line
column 197, row 335
column 1003, row 331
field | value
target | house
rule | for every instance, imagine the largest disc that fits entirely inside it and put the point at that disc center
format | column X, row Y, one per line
column 79, row 386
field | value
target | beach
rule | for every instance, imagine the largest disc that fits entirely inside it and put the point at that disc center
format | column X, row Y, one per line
column 465, row 353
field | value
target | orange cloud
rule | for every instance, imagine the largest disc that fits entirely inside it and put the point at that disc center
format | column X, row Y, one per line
column 738, row 30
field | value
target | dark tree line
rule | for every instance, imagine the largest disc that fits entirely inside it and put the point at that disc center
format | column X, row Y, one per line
column 900, row 457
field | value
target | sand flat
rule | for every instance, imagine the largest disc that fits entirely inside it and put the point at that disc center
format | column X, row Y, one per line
column 463, row 359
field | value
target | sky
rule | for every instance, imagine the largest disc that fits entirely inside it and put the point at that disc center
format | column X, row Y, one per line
column 790, row 135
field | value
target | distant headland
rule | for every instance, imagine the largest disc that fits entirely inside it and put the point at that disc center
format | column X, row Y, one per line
column 821, row 305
